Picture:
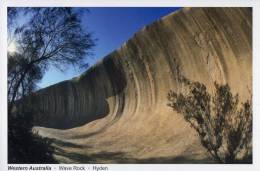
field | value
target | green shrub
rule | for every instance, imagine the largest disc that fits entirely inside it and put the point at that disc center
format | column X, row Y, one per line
column 23, row 145
column 223, row 125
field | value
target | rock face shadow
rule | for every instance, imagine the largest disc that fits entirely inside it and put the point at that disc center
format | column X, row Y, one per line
column 79, row 101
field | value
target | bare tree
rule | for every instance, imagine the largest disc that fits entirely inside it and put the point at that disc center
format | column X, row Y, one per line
column 42, row 37
column 223, row 125
column 48, row 36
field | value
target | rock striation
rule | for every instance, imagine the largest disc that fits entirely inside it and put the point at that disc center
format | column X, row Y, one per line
column 116, row 111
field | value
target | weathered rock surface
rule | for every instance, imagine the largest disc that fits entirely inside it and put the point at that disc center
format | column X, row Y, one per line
column 116, row 112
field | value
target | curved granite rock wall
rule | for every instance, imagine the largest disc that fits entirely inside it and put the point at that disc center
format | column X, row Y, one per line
column 68, row 104
column 116, row 112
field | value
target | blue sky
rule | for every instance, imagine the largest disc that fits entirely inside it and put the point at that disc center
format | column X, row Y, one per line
column 112, row 27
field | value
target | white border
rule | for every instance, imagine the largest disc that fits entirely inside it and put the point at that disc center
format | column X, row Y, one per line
column 132, row 3
column 138, row 3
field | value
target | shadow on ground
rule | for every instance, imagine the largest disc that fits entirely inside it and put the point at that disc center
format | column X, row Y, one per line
column 122, row 158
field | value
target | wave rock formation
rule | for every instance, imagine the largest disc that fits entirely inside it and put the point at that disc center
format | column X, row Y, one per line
column 116, row 112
